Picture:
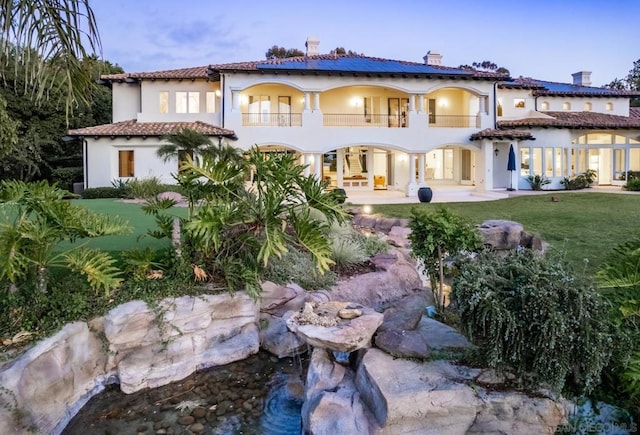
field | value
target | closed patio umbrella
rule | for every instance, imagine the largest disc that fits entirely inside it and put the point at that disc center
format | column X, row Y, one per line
column 511, row 166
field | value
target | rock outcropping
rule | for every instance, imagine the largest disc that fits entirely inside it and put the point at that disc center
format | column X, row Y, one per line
column 134, row 344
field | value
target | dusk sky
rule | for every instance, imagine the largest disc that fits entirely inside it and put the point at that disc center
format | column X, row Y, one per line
column 544, row 39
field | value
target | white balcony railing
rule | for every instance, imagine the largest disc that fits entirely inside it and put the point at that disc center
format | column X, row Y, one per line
column 359, row 120
column 271, row 119
column 454, row 121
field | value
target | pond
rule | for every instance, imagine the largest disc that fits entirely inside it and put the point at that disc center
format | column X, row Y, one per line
column 259, row 395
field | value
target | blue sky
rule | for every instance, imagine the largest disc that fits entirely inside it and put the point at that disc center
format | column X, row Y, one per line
column 544, row 39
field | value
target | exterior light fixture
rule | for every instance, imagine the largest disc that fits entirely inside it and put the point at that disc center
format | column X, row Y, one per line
column 496, row 152
column 367, row 209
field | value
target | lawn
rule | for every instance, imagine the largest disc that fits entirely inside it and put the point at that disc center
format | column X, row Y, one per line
column 582, row 225
column 132, row 213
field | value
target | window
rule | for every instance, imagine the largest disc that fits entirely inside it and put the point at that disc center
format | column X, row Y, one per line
column 608, row 106
column 537, row 161
column 499, row 108
column 548, row 162
column 187, row 102
column 525, row 161
column 164, row 102
column 518, row 103
column 566, row 106
column 587, row 107
column 545, row 105
column 125, row 164
column 558, row 163
column 260, row 108
column 211, row 102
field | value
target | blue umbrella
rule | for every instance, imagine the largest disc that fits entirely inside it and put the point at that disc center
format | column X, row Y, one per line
column 511, row 165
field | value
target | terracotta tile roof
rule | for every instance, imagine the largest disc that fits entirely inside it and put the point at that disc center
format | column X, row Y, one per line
column 490, row 133
column 135, row 128
column 542, row 87
column 634, row 112
column 577, row 120
column 199, row 72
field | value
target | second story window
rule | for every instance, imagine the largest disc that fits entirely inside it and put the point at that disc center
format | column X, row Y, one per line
column 545, row 105
column 518, row 103
column 608, row 106
column 187, row 102
column 587, row 107
column 211, row 102
column 164, row 102
column 566, row 106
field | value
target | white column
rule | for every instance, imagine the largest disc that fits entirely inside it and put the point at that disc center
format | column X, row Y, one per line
column 340, row 167
column 317, row 165
column 307, row 162
column 420, row 103
column 421, row 181
column 370, row 173
column 412, row 103
column 412, row 187
column 307, row 101
column 316, row 101
column 235, row 96
column 481, row 102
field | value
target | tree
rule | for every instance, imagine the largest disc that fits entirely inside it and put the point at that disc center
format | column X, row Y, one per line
column 239, row 227
column 486, row 65
column 31, row 236
column 341, row 50
column 49, row 39
column 630, row 83
column 434, row 237
column 277, row 52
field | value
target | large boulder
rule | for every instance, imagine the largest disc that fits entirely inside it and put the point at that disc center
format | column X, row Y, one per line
column 396, row 277
column 439, row 397
column 277, row 304
column 155, row 346
column 501, row 234
column 332, row 404
column 52, row 380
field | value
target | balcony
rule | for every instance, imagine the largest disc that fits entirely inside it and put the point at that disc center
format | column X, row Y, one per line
column 359, row 120
column 454, row 121
column 272, row 119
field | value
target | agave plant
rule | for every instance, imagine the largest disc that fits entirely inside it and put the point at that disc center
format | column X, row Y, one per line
column 36, row 219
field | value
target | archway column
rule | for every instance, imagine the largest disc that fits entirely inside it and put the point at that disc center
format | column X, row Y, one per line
column 421, row 181
column 317, row 165
column 316, row 101
column 412, row 186
column 307, row 162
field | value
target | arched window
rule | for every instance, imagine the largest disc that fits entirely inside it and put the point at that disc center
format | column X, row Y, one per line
column 545, row 105
column 587, row 107
column 566, row 106
column 499, row 108
column 609, row 106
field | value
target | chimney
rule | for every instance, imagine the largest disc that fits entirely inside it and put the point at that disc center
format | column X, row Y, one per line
column 312, row 46
column 433, row 57
column 582, row 78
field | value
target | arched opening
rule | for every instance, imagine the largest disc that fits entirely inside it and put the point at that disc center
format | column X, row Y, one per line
column 271, row 105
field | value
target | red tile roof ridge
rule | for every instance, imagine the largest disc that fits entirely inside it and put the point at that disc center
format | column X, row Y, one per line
column 132, row 127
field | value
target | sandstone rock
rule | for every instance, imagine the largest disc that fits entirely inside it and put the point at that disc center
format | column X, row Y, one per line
column 53, row 379
column 399, row 236
column 403, row 344
column 347, row 336
column 349, row 313
column 179, row 199
column 276, row 338
column 442, row 337
column 501, row 234
column 278, row 299
column 376, row 288
column 406, row 396
column 332, row 404
column 436, row 397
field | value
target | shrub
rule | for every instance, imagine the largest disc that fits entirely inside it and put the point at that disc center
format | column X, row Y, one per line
column 580, row 181
column 65, row 177
column 144, row 188
column 347, row 253
column 537, row 181
column 633, row 184
column 436, row 236
column 530, row 317
column 296, row 266
column 102, row 192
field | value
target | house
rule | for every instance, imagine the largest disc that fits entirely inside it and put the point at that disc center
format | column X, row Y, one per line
column 364, row 123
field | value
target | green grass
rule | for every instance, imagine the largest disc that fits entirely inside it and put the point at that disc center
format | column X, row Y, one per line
column 132, row 213
column 581, row 225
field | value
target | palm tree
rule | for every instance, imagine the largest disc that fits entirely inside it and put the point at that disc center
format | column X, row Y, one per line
column 50, row 39
column 186, row 142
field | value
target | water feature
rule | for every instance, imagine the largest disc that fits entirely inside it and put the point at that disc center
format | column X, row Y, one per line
column 260, row 395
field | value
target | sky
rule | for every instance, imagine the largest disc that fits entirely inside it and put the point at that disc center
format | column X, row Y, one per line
column 543, row 39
